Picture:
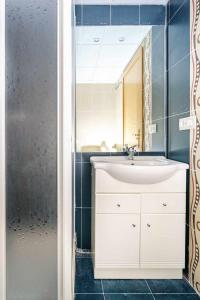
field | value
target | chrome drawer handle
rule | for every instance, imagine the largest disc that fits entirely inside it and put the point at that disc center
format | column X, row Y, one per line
column 118, row 205
column 148, row 225
column 164, row 204
column 134, row 225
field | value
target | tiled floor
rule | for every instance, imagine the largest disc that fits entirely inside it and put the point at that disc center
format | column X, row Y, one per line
column 87, row 288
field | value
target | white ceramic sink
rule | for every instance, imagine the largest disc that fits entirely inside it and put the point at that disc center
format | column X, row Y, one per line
column 140, row 170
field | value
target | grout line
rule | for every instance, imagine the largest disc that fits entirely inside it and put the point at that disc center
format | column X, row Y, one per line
column 103, row 289
column 181, row 60
column 81, row 207
column 139, row 15
column 149, row 289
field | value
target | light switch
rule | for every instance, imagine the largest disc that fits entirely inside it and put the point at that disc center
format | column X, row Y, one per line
column 187, row 123
column 152, row 128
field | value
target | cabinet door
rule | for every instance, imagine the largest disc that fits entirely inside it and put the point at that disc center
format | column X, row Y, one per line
column 117, row 240
column 162, row 241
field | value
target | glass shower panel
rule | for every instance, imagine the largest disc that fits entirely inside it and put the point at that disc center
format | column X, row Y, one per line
column 31, row 145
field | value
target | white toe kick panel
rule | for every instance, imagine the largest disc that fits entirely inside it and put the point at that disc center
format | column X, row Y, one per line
column 138, row 231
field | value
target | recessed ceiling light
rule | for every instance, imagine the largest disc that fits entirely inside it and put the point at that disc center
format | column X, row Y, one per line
column 96, row 40
column 121, row 39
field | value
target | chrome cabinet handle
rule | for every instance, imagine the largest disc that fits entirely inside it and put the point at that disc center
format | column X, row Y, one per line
column 164, row 204
column 118, row 205
column 148, row 225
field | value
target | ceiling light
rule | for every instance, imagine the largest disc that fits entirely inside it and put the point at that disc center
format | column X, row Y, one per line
column 96, row 40
column 121, row 39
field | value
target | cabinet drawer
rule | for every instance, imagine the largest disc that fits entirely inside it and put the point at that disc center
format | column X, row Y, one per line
column 121, row 204
column 163, row 203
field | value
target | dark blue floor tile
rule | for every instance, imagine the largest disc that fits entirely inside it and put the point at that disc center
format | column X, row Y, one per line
column 125, row 286
column 128, row 297
column 170, row 286
column 85, row 282
column 89, row 297
column 176, row 297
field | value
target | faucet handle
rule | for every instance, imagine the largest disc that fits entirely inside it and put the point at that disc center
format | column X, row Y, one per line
column 132, row 148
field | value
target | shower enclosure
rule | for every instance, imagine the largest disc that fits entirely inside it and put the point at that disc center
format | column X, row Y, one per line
column 36, row 150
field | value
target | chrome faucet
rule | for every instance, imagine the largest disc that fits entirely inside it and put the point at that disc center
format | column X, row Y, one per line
column 131, row 151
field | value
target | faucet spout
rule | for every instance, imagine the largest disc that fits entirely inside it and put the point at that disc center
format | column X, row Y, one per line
column 131, row 151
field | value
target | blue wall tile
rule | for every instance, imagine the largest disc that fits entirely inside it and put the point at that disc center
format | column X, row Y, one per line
column 86, row 155
column 78, row 184
column 179, row 35
column 174, row 6
column 179, row 87
column 178, row 140
column 78, row 156
column 158, row 138
column 96, row 14
column 78, row 14
column 120, row 14
column 178, row 79
column 158, row 32
column 124, row 14
column 86, row 185
column 86, row 228
column 152, row 14
column 78, row 226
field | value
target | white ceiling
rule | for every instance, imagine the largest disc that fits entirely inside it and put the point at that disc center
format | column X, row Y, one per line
column 122, row 2
column 104, row 61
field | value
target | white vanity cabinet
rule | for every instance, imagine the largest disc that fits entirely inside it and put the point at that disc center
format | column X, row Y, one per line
column 117, row 228
column 139, row 233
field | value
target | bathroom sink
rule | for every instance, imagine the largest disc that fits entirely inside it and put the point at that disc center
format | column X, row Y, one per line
column 140, row 170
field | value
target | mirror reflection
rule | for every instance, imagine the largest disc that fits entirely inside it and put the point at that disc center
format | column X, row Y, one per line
column 120, row 88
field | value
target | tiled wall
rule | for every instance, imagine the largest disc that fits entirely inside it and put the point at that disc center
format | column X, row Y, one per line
column 194, row 222
column 179, row 85
column 119, row 15
column 178, row 77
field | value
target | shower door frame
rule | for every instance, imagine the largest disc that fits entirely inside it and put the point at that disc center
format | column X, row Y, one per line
column 2, row 156
column 65, row 148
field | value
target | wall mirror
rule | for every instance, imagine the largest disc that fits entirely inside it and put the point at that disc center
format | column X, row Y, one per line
column 120, row 88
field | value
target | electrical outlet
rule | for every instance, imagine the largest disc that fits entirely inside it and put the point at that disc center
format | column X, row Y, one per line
column 187, row 123
column 152, row 128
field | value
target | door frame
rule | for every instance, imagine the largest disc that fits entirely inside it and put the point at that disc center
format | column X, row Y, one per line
column 65, row 150
column 2, row 156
